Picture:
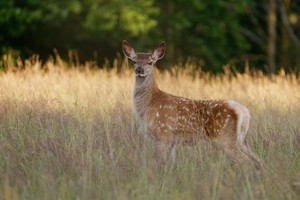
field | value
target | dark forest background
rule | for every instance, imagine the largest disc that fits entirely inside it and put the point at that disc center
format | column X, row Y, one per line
column 262, row 34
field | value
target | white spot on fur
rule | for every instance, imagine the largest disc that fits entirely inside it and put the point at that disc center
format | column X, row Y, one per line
column 226, row 122
column 185, row 108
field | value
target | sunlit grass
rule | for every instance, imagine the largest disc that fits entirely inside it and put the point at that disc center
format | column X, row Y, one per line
column 70, row 134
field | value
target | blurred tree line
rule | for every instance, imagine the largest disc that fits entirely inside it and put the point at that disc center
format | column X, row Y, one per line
column 263, row 34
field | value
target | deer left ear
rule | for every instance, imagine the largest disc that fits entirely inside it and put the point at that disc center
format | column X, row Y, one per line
column 159, row 51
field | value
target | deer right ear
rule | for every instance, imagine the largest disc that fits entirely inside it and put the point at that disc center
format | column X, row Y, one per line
column 128, row 50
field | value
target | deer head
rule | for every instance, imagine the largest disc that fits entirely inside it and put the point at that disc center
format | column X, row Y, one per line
column 143, row 62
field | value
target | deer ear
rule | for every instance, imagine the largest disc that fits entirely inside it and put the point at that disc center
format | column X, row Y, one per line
column 128, row 50
column 159, row 51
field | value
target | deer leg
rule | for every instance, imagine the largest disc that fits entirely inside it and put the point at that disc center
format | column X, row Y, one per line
column 246, row 150
column 165, row 153
column 243, row 146
column 231, row 150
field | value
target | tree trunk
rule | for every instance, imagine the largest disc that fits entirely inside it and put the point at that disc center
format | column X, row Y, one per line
column 285, row 43
column 271, row 43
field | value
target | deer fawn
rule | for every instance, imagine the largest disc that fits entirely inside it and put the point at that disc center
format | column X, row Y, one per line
column 170, row 120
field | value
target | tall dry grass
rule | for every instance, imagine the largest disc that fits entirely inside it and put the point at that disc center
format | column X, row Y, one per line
column 70, row 134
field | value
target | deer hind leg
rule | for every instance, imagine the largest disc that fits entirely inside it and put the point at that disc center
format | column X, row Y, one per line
column 228, row 145
column 232, row 140
column 242, row 142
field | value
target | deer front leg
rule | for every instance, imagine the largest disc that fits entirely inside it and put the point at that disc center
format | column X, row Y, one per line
column 165, row 153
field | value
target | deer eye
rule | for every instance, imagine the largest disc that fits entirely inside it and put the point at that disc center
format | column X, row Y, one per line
column 149, row 63
column 134, row 62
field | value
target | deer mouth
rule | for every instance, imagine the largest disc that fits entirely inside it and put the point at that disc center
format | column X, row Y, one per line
column 140, row 75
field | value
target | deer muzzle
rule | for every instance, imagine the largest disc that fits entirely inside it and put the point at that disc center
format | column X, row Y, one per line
column 139, row 71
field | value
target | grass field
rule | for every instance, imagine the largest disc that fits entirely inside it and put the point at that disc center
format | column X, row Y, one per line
column 70, row 134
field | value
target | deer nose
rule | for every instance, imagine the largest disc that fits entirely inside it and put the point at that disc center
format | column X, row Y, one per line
column 139, row 70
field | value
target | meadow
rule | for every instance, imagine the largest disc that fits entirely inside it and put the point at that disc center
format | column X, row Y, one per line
column 69, row 133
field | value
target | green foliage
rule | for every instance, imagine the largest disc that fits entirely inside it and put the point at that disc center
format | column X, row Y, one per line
column 210, row 33
column 202, row 30
column 133, row 17
column 205, row 30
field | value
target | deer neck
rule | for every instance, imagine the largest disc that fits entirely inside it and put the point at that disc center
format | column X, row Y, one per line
column 144, row 90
